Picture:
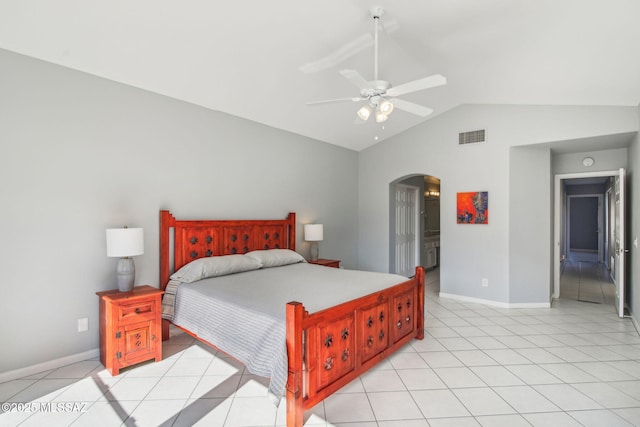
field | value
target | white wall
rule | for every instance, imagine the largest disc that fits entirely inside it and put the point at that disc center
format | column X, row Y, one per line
column 472, row 252
column 81, row 154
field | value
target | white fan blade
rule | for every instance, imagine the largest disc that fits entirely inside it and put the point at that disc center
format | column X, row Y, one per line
column 328, row 101
column 410, row 107
column 354, row 77
column 342, row 54
column 416, row 85
column 348, row 50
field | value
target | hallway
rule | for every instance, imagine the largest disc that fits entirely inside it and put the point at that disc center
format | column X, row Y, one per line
column 583, row 278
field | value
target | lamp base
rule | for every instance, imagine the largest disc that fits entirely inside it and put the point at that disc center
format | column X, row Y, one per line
column 126, row 273
column 314, row 251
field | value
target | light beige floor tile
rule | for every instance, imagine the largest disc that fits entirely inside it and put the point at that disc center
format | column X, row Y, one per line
column 483, row 401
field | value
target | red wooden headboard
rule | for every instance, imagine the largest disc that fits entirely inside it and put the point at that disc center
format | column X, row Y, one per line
column 193, row 239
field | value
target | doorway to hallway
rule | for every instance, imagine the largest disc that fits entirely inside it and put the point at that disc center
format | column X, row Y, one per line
column 611, row 251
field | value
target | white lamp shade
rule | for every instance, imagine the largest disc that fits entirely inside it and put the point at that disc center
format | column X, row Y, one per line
column 381, row 117
column 313, row 232
column 125, row 242
column 364, row 112
column 385, row 107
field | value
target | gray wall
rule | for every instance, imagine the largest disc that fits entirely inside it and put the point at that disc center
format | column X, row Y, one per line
column 529, row 219
column 472, row 252
column 81, row 154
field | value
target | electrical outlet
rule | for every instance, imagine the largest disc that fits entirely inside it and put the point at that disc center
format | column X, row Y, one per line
column 83, row 324
column 485, row 283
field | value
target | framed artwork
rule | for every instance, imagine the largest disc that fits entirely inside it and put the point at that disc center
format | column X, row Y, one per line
column 473, row 207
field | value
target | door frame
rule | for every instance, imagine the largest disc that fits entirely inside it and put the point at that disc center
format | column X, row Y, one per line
column 620, row 234
column 557, row 218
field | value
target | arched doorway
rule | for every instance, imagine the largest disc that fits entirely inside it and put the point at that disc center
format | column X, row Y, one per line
column 414, row 226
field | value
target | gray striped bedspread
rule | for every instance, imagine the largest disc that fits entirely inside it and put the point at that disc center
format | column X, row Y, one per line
column 244, row 314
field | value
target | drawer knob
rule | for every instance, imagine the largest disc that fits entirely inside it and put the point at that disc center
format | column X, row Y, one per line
column 408, row 319
column 381, row 316
column 345, row 354
column 381, row 335
column 370, row 341
column 399, row 324
column 137, row 310
column 370, row 322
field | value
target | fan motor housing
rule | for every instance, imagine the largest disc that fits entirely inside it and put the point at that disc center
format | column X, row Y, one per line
column 377, row 88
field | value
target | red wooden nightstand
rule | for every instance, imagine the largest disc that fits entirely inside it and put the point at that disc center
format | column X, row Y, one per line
column 130, row 330
column 335, row 263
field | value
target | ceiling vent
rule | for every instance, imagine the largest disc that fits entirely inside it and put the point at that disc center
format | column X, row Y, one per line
column 471, row 137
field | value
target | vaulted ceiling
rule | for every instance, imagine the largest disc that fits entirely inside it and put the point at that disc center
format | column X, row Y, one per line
column 264, row 60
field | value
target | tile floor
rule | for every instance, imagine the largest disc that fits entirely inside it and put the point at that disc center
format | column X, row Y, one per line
column 575, row 364
column 584, row 279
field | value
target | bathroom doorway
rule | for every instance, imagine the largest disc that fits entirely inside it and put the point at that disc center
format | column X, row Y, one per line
column 414, row 227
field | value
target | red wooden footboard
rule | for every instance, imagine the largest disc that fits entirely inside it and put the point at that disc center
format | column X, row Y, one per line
column 330, row 348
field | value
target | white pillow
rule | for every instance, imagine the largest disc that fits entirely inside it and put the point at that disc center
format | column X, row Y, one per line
column 275, row 257
column 215, row 266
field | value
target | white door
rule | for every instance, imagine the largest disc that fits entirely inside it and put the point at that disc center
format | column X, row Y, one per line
column 407, row 241
column 620, row 247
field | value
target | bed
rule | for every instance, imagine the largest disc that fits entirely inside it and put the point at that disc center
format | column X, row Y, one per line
column 351, row 320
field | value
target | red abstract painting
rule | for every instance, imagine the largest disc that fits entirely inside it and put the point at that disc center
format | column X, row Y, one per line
column 473, row 207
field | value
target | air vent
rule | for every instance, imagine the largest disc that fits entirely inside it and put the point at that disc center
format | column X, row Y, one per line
column 471, row 137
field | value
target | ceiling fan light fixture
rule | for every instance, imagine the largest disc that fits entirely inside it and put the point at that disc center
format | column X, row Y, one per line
column 381, row 97
column 381, row 116
column 364, row 112
column 385, row 107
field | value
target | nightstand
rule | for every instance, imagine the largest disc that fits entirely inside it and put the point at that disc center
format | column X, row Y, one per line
column 335, row 263
column 130, row 327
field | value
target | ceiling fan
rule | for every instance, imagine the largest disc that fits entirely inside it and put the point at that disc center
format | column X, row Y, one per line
column 379, row 94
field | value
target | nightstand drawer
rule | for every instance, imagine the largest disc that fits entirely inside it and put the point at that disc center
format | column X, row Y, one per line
column 136, row 312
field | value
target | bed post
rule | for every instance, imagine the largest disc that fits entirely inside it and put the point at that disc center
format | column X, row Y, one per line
column 166, row 221
column 292, row 231
column 295, row 409
column 420, row 279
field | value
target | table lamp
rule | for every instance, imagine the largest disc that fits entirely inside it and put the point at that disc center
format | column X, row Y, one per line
column 313, row 233
column 125, row 243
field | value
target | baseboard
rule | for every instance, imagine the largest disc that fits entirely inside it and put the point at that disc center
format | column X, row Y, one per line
column 635, row 322
column 496, row 303
column 49, row 365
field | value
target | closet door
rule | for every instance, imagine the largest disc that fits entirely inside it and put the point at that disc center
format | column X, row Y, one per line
column 407, row 251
